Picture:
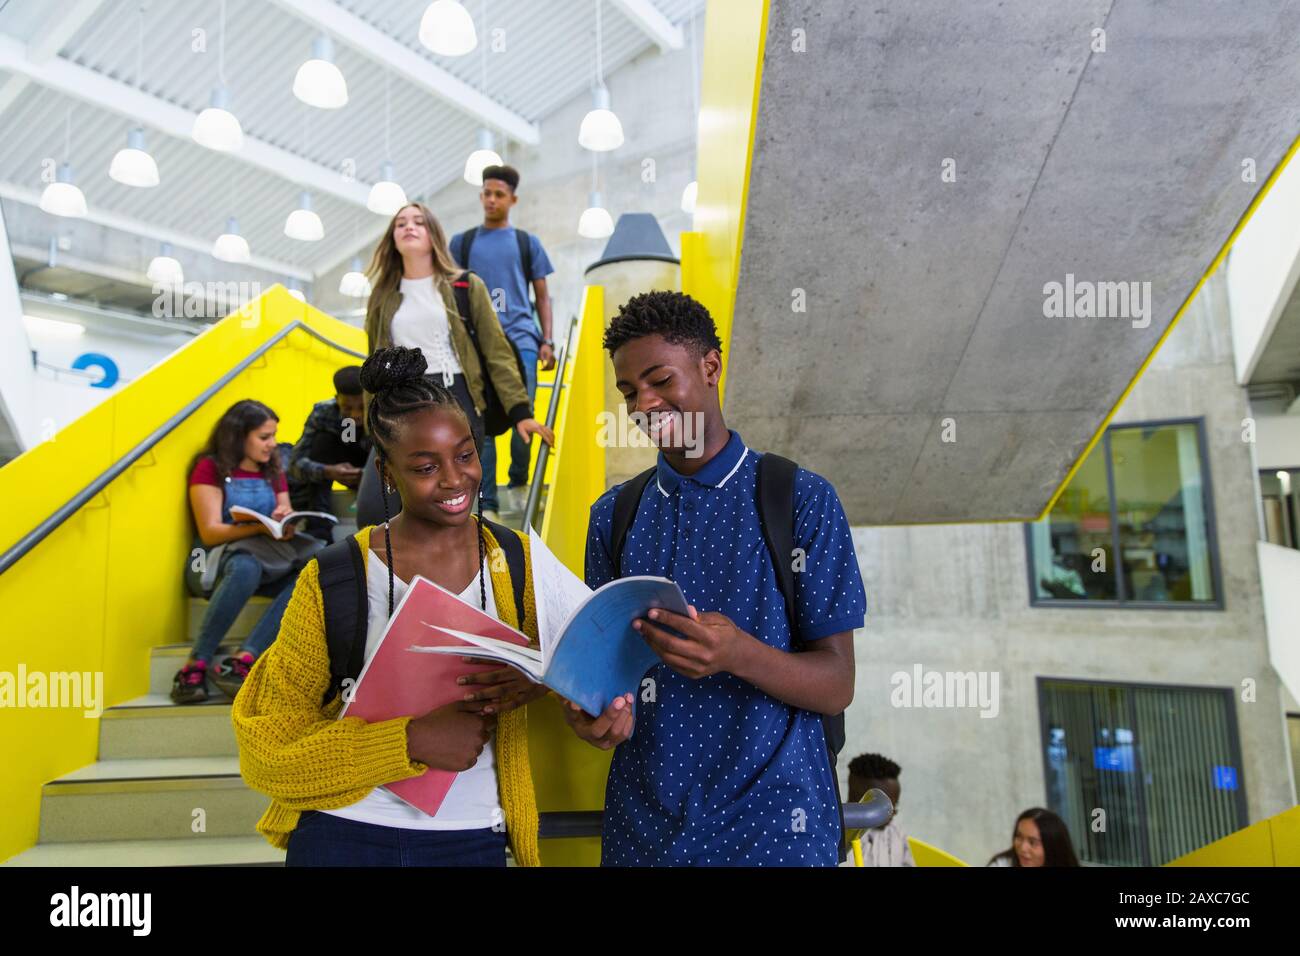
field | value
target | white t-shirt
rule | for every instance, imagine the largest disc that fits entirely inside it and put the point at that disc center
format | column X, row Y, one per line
column 472, row 802
column 420, row 322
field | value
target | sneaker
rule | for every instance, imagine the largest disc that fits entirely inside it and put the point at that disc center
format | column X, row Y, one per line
column 190, row 685
column 491, row 514
column 230, row 673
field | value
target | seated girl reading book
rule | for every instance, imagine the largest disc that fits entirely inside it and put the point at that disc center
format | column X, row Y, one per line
column 325, row 774
column 237, row 557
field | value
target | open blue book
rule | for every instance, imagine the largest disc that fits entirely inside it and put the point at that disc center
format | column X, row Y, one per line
column 597, row 655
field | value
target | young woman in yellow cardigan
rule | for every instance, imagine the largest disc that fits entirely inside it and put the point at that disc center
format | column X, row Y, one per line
column 325, row 775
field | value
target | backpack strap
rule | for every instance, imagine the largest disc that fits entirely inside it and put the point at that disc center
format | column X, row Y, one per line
column 776, row 518
column 343, row 594
column 525, row 257
column 513, row 549
column 466, row 244
column 626, row 503
column 460, row 290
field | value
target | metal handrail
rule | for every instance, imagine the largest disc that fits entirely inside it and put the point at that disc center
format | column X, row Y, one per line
column 562, row 824
column 544, row 453
column 73, row 504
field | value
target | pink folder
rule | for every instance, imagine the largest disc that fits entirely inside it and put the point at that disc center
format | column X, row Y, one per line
column 397, row 683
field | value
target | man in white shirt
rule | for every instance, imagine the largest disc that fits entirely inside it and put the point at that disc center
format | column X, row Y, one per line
column 887, row 845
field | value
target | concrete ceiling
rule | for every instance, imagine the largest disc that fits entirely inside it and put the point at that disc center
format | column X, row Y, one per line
column 925, row 297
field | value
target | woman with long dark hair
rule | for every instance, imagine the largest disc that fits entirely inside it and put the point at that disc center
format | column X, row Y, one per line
column 235, row 559
column 413, row 305
column 1040, row 838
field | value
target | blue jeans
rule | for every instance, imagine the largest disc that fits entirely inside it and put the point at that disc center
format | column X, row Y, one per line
column 520, row 450
column 322, row 839
column 237, row 581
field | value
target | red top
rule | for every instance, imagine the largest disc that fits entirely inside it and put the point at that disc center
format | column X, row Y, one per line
column 205, row 473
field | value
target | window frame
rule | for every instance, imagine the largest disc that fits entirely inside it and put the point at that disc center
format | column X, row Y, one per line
column 1232, row 726
column 1121, row 585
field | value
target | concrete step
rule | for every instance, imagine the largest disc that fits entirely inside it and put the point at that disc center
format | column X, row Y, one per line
column 243, row 626
column 141, row 799
column 152, row 726
column 197, row 850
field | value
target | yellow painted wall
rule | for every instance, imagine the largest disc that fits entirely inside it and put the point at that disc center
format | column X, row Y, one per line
column 1271, row 842
column 107, row 585
column 734, row 35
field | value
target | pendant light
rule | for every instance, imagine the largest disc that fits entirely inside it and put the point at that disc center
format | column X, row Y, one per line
column 216, row 127
column 303, row 223
column 164, row 269
column 447, row 29
column 595, row 221
column 230, row 245
column 386, row 196
column 133, row 166
column 354, row 281
column 481, row 159
column 62, row 197
column 318, row 81
column 295, row 290
column 484, row 155
column 600, row 131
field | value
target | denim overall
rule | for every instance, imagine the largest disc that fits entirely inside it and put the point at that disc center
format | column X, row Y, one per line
column 234, row 575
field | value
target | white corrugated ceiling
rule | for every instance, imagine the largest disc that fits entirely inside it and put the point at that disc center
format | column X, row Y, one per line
column 548, row 57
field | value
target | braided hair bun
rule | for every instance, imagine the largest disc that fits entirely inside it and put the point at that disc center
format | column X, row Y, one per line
column 391, row 368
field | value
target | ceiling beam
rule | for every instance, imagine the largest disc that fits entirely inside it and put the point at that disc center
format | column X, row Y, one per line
column 91, row 87
column 649, row 20
column 58, row 31
column 148, row 230
column 388, row 53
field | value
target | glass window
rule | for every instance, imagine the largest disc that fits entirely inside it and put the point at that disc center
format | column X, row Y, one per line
column 1141, row 774
column 1141, row 495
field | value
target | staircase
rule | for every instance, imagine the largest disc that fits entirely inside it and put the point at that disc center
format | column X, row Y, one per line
column 166, row 790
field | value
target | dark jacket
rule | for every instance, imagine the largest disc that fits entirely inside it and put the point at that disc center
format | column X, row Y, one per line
column 497, row 353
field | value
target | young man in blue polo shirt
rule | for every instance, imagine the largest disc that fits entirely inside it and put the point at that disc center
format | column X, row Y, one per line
column 509, row 261
column 725, row 761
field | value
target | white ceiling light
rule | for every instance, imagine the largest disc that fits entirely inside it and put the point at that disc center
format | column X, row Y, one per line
column 62, row 197
column 216, row 127
column 295, row 290
column 303, row 223
column 164, row 269
column 481, row 158
column 318, row 81
column 386, row 197
column 54, row 328
column 595, row 222
column 689, row 195
column 354, row 281
column 230, row 245
column 447, row 29
column 133, row 166
column 600, row 131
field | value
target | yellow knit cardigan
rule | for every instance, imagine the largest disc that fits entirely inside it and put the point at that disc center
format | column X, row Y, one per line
column 304, row 758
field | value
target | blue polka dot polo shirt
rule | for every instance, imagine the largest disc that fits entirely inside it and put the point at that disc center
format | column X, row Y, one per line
column 717, row 772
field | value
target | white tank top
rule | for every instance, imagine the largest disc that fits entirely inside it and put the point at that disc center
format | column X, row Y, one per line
column 420, row 322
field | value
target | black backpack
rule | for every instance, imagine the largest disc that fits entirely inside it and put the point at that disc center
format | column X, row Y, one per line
column 776, row 518
column 343, row 594
column 496, row 420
